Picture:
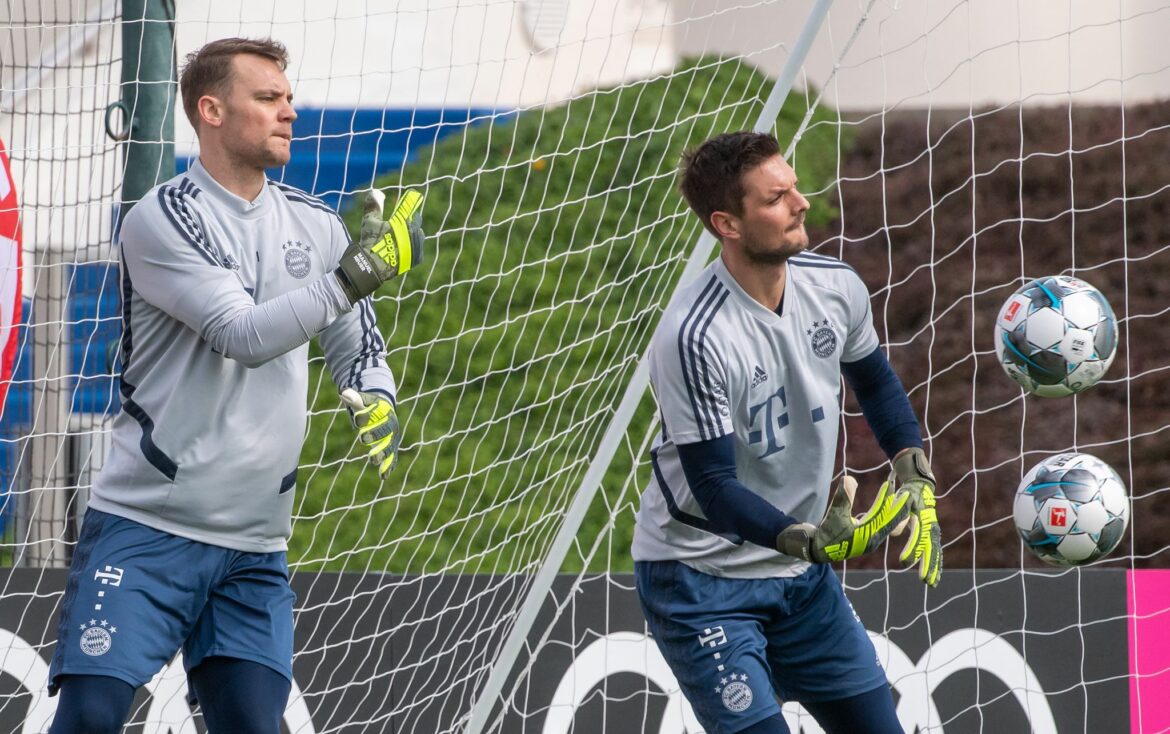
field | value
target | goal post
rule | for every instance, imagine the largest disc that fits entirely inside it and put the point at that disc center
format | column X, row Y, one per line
column 583, row 497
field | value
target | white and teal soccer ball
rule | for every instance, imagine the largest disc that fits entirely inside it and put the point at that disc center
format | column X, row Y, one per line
column 1071, row 509
column 1056, row 336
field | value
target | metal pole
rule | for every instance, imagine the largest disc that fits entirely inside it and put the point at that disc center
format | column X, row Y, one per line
column 487, row 700
column 149, row 83
column 45, row 508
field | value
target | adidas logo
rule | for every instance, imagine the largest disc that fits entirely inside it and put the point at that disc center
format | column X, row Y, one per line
column 759, row 377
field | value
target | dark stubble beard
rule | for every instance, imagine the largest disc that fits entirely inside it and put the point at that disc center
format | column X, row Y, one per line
column 758, row 255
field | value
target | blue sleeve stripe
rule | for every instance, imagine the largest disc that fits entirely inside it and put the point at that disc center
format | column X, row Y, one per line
column 713, row 406
column 682, row 350
column 358, row 365
column 371, row 338
column 372, row 344
column 294, row 194
column 365, row 317
column 690, row 358
column 804, row 260
column 175, row 208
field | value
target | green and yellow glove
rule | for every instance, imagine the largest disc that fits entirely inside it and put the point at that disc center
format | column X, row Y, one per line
column 924, row 546
column 840, row 535
column 386, row 248
column 377, row 425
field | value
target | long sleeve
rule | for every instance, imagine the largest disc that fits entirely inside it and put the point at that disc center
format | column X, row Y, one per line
column 710, row 471
column 884, row 402
column 176, row 268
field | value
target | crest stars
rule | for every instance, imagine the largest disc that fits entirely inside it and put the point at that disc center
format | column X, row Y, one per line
column 817, row 325
column 732, row 678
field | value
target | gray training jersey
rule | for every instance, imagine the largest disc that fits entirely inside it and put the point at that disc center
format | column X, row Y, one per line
column 220, row 297
column 721, row 363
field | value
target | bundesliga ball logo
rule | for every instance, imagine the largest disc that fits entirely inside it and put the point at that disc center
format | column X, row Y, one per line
column 1056, row 336
column 1071, row 509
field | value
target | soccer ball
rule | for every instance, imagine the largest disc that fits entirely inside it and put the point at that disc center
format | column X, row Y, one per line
column 1056, row 336
column 1071, row 509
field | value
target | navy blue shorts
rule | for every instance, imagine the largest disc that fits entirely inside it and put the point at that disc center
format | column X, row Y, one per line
column 136, row 595
column 735, row 645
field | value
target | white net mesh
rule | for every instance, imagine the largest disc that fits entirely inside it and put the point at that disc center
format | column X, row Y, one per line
column 950, row 150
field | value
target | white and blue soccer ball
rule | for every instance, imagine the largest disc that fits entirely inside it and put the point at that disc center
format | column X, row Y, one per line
column 1056, row 336
column 1071, row 509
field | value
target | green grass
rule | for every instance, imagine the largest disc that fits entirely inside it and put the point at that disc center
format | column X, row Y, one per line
column 556, row 237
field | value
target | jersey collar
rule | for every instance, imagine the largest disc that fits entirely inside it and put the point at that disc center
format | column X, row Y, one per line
column 237, row 205
column 751, row 305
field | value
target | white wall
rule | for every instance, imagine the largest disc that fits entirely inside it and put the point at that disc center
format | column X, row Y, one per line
column 437, row 53
column 926, row 53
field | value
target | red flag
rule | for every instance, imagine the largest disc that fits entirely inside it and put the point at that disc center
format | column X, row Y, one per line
column 9, row 272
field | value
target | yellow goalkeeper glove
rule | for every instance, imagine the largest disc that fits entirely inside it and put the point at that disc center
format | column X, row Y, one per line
column 377, row 425
column 924, row 546
column 840, row 535
column 385, row 249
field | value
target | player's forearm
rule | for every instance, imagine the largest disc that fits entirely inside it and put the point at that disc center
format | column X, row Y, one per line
column 884, row 402
column 710, row 470
column 356, row 353
column 254, row 334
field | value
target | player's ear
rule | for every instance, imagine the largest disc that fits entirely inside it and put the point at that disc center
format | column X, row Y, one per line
column 726, row 225
column 210, row 110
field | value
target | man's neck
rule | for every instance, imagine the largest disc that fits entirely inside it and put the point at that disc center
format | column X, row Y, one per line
column 764, row 283
column 243, row 181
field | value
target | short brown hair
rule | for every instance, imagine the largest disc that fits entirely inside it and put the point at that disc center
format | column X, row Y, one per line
column 711, row 179
column 209, row 70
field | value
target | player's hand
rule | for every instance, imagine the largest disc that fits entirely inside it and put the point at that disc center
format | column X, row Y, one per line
column 840, row 535
column 377, row 426
column 386, row 248
column 924, row 546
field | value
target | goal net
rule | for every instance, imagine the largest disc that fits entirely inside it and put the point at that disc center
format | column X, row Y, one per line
column 951, row 151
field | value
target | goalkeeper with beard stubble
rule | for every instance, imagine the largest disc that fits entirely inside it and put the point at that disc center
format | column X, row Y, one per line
column 733, row 540
column 226, row 276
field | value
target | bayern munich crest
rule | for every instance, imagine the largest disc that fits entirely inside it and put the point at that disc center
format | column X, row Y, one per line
column 97, row 638
column 736, row 693
column 296, row 259
column 824, row 339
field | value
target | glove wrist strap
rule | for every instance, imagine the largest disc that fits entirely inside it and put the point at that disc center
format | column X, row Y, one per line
column 357, row 275
column 912, row 464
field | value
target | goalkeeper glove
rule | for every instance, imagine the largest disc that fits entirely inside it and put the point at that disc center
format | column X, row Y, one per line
column 385, row 249
column 377, row 425
column 924, row 546
column 840, row 535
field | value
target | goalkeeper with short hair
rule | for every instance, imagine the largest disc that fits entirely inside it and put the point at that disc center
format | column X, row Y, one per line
column 736, row 531
column 226, row 276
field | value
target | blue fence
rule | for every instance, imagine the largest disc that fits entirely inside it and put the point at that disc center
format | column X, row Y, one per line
column 336, row 151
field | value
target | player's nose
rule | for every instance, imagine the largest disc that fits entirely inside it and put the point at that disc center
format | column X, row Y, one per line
column 801, row 202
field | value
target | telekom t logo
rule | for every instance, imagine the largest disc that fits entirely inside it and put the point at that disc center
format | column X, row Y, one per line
column 111, row 576
column 1058, row 517
column 712, row 637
